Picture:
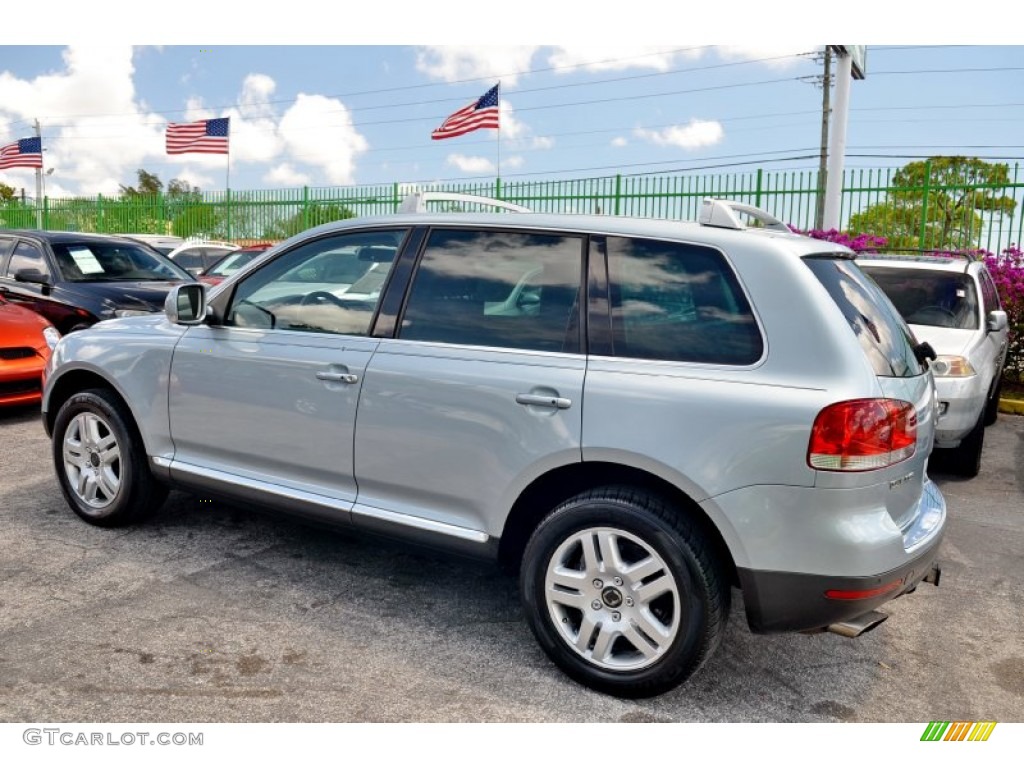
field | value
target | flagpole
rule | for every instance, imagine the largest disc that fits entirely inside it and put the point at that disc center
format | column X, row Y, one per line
column 498, row 185
column 227, row 182
column 39, row 181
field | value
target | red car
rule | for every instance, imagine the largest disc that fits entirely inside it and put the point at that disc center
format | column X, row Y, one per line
column 25, row 343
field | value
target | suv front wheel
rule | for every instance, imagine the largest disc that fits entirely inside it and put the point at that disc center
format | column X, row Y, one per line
column 100, row 461
column 623, row 592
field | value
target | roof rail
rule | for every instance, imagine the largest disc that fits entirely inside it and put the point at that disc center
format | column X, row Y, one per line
column 883, row 250
column 716, row 212
column 417, row 201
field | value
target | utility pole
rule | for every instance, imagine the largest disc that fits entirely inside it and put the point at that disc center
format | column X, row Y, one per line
column 851, row 63
column 826, row 90
column 39, row 183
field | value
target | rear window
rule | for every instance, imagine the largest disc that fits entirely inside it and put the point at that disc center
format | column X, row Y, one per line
column 929, row 296
column 883, row 335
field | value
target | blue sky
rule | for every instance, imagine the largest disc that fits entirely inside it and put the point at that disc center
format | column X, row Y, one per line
column 327, row 115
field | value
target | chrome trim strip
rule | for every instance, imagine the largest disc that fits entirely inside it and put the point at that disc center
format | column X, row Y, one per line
column 261, row 485
column 160, row 461
column 419, row 522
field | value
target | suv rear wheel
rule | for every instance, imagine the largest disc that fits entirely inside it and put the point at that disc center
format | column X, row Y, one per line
column 100, row 461
column 623, row 593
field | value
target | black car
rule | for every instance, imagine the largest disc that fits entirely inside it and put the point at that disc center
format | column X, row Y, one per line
column 74, row 279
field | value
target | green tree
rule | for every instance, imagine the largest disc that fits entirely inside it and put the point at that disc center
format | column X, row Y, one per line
column 7, row 193
column 149, row 185
column 315, row 215
column 959, row 189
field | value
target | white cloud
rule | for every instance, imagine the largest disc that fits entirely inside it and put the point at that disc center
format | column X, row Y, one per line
column 781, row 56
column 285, row 175
column 318, row 131
column 620, row 141
column 463, row 62
column 197, row 179
column 511, row 127
column 471, row 164
column 516, row 161
column 542, row 142
column 603, row 58
column 696, row 133
column 95, row 131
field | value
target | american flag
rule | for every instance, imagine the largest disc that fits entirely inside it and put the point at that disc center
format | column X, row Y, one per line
column 482, row 113
column 24, row 153
column 210, row 136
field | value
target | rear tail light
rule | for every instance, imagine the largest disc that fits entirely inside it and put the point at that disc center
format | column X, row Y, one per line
column 860, row 435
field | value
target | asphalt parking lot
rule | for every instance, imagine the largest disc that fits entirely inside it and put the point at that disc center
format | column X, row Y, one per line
column 215, row 613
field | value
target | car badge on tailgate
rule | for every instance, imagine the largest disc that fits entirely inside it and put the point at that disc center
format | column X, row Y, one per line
column 900, row 480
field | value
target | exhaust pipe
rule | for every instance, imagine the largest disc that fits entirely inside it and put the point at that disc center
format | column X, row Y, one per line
column 858, row 626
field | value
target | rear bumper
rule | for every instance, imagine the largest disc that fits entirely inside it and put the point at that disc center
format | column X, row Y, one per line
column 792, row 602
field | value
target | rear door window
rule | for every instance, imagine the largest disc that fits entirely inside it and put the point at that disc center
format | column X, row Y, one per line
column 883, row 335
column 516, row 290
column 678, row 302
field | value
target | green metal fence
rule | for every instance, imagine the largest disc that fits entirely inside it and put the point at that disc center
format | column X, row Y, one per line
column 921, row 215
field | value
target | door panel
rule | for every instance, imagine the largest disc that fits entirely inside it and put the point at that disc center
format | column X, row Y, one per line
column 483, row 391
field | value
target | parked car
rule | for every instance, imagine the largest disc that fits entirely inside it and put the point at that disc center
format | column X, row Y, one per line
column 952, row 303
column 638, row 415
column 231, row 263
column 25, row 343
column 198, row 255
column 74, row 279
column 164, row 244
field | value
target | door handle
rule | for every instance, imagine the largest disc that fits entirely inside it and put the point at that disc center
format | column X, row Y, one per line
column 544, row 400
column 341, row 378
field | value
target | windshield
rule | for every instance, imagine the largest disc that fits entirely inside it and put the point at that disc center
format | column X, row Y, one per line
column 231, row 264
column 929, row 296
column 114, row 261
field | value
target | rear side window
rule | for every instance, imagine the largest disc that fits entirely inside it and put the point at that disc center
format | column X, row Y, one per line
column 517, row 290
column 27, row 256
column 883, row 335
column 678, row 302
column 989, row 293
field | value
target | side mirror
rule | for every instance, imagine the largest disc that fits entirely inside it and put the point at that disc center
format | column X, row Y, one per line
column 186, row 304
column 997, row 320
column 31, row 276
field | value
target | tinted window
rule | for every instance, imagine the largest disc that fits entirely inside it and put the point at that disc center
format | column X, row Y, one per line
column 671, row 301
column 989, row 293
column 882, row 333
column 929, row 296
column 497, row 289
column 308, row 287
column 190, row 258
column 27, row 256
column 113, row 261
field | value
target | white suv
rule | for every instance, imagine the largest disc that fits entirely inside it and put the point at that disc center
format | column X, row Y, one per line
column 637, row 415
column 952, row 303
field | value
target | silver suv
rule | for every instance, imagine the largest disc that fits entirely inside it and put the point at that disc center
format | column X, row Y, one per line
column 637, row 415
column 952, row 303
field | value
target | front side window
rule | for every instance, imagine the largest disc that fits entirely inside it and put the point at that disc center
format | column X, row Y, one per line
column 990, row 295
column 330, row 285
column 113, row 262
column 932, row 297
column 678, row 302
column 488, row 288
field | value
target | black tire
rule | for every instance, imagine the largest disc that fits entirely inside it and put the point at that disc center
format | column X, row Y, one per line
column 117, row 489
column 698, row 609
column 992, row 406
column 965, row 459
